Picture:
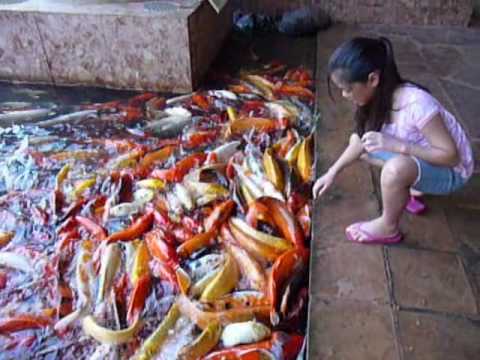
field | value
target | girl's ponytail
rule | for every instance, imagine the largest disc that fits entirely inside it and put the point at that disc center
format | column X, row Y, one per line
column 388, row 47
column 390, row 69
column 390, row 66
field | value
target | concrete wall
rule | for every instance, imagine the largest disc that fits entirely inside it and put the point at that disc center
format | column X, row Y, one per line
column 405, row 12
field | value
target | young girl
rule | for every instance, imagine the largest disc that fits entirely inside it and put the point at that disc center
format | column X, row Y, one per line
column 399, row 126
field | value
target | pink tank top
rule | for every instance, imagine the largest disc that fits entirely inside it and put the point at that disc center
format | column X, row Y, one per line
column 413, row 108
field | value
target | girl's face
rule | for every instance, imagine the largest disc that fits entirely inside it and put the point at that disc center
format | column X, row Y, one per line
column 358, row 93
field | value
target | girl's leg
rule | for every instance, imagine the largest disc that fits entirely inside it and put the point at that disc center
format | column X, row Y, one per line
column 414, row 192
column 398, row 175
column 372, row 161
column 379, row 163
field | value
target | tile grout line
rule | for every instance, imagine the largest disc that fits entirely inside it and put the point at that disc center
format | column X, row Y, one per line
column 459, row 316
column 452, row 80
column 469, row 276
column 393, row 303
column 439, row 81
column 389, row 278
column 472, row 317
column 470, row 282
column 414, row 247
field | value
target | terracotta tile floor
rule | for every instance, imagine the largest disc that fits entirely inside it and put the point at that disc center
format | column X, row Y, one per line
column 420, row 299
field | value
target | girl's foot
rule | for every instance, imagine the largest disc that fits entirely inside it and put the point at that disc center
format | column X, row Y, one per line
column 373, row 232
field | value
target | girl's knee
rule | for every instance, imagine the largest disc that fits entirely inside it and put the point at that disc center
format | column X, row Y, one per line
column 399, row 170
column 354, row 138
column 371, row 161
column 364, row 157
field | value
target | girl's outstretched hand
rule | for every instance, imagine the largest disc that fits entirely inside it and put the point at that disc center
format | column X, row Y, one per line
column 323, row 183
column 376, row 141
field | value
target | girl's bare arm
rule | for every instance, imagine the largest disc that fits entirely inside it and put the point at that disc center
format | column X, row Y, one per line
column 442, row 150
column 349, row 155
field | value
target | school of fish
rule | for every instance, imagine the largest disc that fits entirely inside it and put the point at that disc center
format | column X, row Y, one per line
column 160, row 227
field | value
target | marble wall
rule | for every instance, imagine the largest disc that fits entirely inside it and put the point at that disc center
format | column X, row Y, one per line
column 21, row 52
column 141, row 48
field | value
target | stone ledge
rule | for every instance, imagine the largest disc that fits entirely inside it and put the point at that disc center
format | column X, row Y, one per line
column 128, row 46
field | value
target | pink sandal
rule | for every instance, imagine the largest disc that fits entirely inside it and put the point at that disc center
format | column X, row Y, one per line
column 415, row 205
column 370, row 238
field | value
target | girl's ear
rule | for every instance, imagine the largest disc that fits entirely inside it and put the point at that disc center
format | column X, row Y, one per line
column 374, row 79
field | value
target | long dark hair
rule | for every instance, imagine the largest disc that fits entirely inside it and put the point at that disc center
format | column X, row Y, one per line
column 356, row 59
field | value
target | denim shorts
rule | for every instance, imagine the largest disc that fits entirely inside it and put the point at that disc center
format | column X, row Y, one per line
column 431, row 179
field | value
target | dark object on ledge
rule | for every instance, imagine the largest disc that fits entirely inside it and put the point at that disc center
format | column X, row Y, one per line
column 304, row 21
column 250, row 23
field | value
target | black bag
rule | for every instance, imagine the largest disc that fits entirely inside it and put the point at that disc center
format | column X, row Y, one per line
column 304, row 21
column 249, row 23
